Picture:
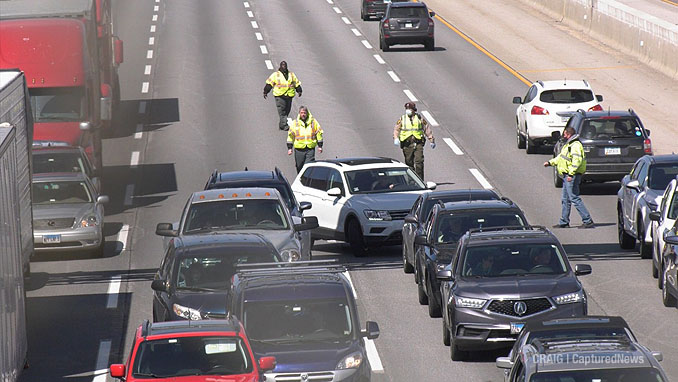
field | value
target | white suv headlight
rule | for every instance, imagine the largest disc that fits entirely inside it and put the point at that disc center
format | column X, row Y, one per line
column 570, row 298
column 290, row 255
column 351, row 361
column 89, row 221
column 377, row 215
column 465, row 302
column 186, row 312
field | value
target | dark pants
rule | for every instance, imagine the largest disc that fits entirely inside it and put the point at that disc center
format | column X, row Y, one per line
column 570, row 196
column 303, row 156
column 284, row 105
column 414, row 156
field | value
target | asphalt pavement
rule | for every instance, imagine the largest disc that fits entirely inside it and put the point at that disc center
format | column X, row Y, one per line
column 192, row 102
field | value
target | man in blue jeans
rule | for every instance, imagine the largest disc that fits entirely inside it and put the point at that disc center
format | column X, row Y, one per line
column 571, row 164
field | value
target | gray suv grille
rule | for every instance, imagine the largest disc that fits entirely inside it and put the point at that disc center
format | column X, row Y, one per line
column 53, row 223
column 320, row 376
column 508, row 307
column 398, row 214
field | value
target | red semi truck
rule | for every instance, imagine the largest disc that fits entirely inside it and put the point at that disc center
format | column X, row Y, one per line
column 70, row 56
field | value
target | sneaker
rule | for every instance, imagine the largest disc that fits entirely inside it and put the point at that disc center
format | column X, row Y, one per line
column 590, row 224
column 566, row 225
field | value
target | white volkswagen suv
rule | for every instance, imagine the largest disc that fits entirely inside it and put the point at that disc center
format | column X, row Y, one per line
column 362, row 201
column 546, row 108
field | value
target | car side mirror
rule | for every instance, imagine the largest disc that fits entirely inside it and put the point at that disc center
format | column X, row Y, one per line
column 582, row 269
column 517, row 100
column 303, row 206
column 334, row 191
column 165, row 229
column 431, row 185
column 371, row 330
column 658, row 356
column 307, row 222
column 673, row 240
column 102, row 199
column 431, row 14
column 159, row 285
column 117, row 370
column 599, row 98
column 421, row 240
column 647, row 131
column 267, row 363
column 634, row 185
column 655, row 216
column 411, row 219
column 504, row 363
column 555, row 135
column 444, row 275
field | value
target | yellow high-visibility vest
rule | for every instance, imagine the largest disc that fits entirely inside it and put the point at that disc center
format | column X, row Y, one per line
column 412, row 127
column 305, row 134
column 283, row 86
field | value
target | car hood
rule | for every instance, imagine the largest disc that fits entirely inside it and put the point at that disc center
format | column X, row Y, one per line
column 387, row 201
column 68, row 132
column 205, row 302
column 517, row 287
column 206, row 378
column 66, row 210
column 304, row 356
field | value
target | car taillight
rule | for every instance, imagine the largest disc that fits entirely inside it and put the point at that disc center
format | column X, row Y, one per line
column 430, row 23
column 386, row 24
column 596, row 108
column 536, row 110
column 647, row 146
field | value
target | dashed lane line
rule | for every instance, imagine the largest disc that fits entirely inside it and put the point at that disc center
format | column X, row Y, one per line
column 373, row 356
column 250, row 14
column 144, row 87
column 142, row 107
column 246, row 4
column 379, row 59
column 367, row 44
column 154, row 18
column 430, row 118
column 151, row 41
column 122, row 237
column 393, row 76
column 453, row 146
column 409, row 95
column 356, row 32
column 346, row 20
column 152, row 28
column 481, row 179
column 139, row 131
column 102, row 361
column 113, row 291
column 134, row 159
column 149, row 54
column 147, row 70
column 156, row 8
column 263, row 48
column 337, row 10
column 269, row 64
column 258, row 36
column 254, row 24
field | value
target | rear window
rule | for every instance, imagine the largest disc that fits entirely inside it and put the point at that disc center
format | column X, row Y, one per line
column 661, row 175
column 410, row 12
column 566, row 96
column 609, row 128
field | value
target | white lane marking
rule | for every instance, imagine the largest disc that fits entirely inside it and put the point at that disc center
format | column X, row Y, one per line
column 139, row 132
column 155, row 18
column 269, row 65
column 122, row 236
column 453, row 146
column 142, row 107
column 394, row 76
column 149, row 53
column 480, row 178
column 151, row 40
column 379, row 59
column 263, row 49
column 250, row 14
column 102, row 360
column 156, row 8
column 346, row 20
column 430, row 118
column 246, row 4
column 113, row 290
column 330, row 2
column 144, row 87
column 134, row 160
column 373, row 356
column 129, row 194
column 409, row 95
column 152, row 28
column 336, row 9
column 356, row 32
column 350, row 281
column 259, row 36
column 254, row 24
column 367, row 44
column 147, row 70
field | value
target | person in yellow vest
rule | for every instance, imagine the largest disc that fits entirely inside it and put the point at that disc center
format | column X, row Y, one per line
column 410, row 133
column 571, row 164
column 285, row 85
column 304, row 135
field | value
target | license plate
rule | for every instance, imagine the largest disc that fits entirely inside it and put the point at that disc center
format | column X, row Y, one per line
column 408, row 25
column 613, row 151
column 516, row 327
column 51, row 239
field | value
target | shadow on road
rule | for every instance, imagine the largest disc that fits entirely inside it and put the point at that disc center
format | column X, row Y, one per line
column 599, row 252
column 151, row 114
column 42, row 279
column 153, row 183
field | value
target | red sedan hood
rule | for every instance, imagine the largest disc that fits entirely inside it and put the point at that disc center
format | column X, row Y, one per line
column 204, row 378
column 68, row 132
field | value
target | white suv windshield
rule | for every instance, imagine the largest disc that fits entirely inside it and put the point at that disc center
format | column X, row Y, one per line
column 265, row 214
column 383, row 180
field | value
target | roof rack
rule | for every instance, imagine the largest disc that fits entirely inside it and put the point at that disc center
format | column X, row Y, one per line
column 507, row 200
column 602, row 342
column 508, row 228
column 292, row 267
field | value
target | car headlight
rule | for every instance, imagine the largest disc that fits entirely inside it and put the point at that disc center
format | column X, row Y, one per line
column 351, row 361
column 186, row 312
column 89, row 221
column 290, row 255
column 377, row 215
column 465, row 302
column 570, row 298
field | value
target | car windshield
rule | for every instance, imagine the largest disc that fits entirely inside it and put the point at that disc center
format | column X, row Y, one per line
column 58, row 162
column 641, row 374
column 182, row 356
column 409, row 12
column 661, row 175
column 61, row 192
column 215, row 272
column 452, row 226
column 512, row 259
column 265, row 214
column 383, row 180
column 673, row 208
column 298, row 321
column 611, row 127
column 58, row 104
column 566, row 96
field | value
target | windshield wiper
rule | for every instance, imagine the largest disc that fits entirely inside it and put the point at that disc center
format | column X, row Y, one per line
column 147, row 375
column 198, row 289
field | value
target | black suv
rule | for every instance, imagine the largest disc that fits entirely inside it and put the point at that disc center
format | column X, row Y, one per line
column 305, row 315
column 501, row 278
column 612, row 140
column 406, row 23
column 265, row 179
column 446, row 224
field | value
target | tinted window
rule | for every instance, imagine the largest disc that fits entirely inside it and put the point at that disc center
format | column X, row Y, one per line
column 335, row 180
column 531, row 93
column 451, row 226
column 642, row 174
column 61, row 192
column 383, row 180
column 608, row 128
column 644, row 374
column 566, row 96
column 409, row 12
column 235, row 215
column 306, row 176
column 59, row 162
column 319, row 178
column 512, row 259
column 58, row 104
column 215, row 272
column 673, row 207
column 661, row 175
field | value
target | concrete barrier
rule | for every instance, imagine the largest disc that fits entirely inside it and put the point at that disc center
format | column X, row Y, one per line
column 650, row 39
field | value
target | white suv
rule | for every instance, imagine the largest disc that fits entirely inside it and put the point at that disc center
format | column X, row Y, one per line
column 546, row 108
column 362, row 201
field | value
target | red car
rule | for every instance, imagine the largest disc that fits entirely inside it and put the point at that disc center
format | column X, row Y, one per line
column 192, row 351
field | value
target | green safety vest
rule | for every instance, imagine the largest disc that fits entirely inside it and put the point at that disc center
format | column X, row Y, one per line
column 283, row 86
column 571, row 160
column 305, row 134
column 413, row 127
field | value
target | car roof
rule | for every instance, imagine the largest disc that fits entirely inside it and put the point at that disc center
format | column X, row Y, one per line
column 609, row 113
column 56, row 149
column 666, row 158
column 244, row 175
column 59, row 176
column 284, row 287
column 473, row 193
column 221, row 243
column 359, row 163
column 611, row 354
column 406, row 4
column 564, row 84
column 574, row 323
column 495, row 235
column 242, row 193
column 479, row 204
column 195, row 326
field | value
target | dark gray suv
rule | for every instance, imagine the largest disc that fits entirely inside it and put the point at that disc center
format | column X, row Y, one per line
column 500, row 279
column 406, row 23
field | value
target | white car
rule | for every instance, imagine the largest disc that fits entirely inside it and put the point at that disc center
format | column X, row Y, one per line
column 662, row 221
column 546, row 108
column 362, row 201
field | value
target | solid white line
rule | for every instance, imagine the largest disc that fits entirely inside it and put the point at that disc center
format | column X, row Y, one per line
column 367, row 44
column 430, row 118
column 102, row 360
column 246, row 4
column 379, row 59
column 330, row 2
column 480, row 178
column 269, row 65
column 144, row 87
column 254, row 24
column 263, row 49
column 453, row 146
column 139, row 132
column 147, row 70
column 142, row 107
column 134, row 160
column 409, row 95
column 259, row 36
column 113, row 290
column 149, row 54
column 356, row 32
column 129, row 194
column 152, row 28
column 122, row 236
column 156, row 8
column 155, row 18
column 346, row 20
column 151, row 40
column 373, row 356
column 336, row 9
column 394, row 77
column 250, row 14
column 350, row 281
